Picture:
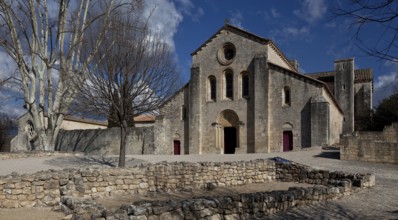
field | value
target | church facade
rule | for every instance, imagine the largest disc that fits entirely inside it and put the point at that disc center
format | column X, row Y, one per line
column 245, row 96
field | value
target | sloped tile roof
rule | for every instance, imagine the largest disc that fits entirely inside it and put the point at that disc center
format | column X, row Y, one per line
column 361, row 75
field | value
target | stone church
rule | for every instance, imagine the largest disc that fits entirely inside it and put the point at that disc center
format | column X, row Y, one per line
column 246, row 96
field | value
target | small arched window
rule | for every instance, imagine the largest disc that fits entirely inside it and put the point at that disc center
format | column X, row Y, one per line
column 286, row 96
column 229, row 81
column 245, row 85
column 212, row 88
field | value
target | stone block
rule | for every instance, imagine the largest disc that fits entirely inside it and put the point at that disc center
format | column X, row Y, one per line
column 16, row 191
column 28, row 204
column 143, row 185
column 10, row 204
column 141, row 217
column 232, row 217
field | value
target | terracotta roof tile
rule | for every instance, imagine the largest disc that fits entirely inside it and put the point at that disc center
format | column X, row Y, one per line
column 361, row 75
column 145, row 118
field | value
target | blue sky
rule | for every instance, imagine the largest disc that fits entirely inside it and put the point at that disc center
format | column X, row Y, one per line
column 304, row 30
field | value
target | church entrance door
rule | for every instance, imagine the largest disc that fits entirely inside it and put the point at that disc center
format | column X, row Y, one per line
column 287, row 141
column 177, row 147
column 229, row 140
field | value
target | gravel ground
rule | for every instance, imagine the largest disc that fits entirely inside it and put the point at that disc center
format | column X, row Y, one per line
column 380, row 202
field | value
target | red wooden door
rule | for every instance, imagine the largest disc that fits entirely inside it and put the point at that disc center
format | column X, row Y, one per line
column 177, row 147
column 287, row 141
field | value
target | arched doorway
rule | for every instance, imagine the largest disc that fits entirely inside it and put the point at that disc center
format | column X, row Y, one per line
column 287, row 137
column 176, row 144
column 227, row 134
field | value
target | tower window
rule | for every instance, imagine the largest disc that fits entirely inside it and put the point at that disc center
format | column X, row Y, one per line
column 183, row 112
column 213, row 88
column 245, row 85
column 286, row 96
column 229, row 81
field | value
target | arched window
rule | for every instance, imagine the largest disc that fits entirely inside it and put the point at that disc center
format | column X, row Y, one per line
column 286, row 96
column 212, row 88
column 245, row 85
column 229, row 81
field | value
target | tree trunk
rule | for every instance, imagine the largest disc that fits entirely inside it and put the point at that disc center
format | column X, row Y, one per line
column 122, row 154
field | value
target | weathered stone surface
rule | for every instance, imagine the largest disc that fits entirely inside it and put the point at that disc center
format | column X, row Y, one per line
column 64, row 185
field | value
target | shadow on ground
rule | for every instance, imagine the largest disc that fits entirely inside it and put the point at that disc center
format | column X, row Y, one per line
column 95, row 161
column 330, row 210
column 330, row 154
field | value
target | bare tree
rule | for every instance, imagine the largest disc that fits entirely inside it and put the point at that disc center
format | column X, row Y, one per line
column 137, row 77
column 4, row 81
column 380, row 15
column 45, row 39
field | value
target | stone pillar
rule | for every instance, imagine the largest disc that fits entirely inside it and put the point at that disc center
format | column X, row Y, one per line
column 261, row 89
column 344, row 91
column 319, row 121
column 195, row 111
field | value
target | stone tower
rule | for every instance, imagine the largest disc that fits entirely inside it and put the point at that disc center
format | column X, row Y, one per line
column 344, row 91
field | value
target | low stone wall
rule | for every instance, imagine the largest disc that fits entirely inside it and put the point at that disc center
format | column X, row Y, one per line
column 70, row 187
column 242, row 206
column 26, row 154
column 371, row 146
column 47, row 188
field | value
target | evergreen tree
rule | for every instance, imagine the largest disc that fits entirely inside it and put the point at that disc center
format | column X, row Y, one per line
column 385, row 113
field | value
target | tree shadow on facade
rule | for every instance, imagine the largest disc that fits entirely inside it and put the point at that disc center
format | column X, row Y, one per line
column 79, row 140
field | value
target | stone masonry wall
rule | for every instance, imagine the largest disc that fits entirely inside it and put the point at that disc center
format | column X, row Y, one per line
column 47, row 188
column 243, row 206
column 70, row 186
column 371, row 146
column 330, row 185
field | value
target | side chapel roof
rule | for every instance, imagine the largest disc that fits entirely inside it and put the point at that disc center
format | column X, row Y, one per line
column 361, row 75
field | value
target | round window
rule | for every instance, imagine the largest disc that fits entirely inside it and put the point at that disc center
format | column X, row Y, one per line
column 226, row 54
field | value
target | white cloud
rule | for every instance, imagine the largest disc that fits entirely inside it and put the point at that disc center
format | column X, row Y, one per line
column 311, row 10
column 164, row 19
column 386, row 84
column 292, row 31
column 287, row 32
column 188, row 8
column 385, row 81
column 236, row 18
column 275, row 13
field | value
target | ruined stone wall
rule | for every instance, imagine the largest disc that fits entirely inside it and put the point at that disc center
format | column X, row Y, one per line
column 106, row 141
column 371, row 146
column 47, row 188
column 330, row 185
column 243, row 206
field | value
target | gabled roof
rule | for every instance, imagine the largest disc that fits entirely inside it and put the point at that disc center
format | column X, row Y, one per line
column 361, row 75
column 249, row 35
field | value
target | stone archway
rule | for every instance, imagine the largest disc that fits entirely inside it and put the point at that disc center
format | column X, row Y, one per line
column 227, row 132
